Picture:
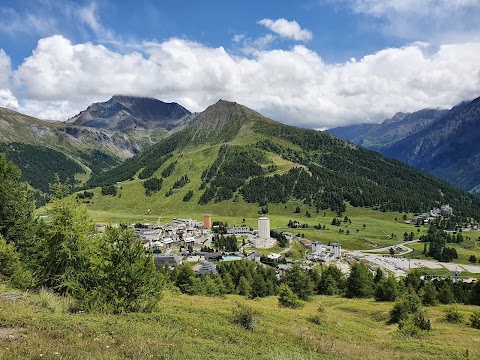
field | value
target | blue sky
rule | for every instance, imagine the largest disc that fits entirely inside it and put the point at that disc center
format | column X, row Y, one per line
column 314, row 63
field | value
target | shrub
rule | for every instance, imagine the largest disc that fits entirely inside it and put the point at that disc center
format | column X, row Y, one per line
column 475, row 320
column 317, row 320
column 452, row 315
column 409, row 317
column 413, row 324
column 245, row 316
column 12, row 268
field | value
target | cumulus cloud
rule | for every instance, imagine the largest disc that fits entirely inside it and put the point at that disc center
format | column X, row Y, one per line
column 287, row 29
column 293, row 86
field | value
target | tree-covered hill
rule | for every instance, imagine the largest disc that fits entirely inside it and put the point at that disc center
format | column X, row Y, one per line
column 322, row 171
column 42, row 148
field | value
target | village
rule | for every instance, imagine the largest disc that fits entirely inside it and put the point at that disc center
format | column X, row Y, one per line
column 192, row 241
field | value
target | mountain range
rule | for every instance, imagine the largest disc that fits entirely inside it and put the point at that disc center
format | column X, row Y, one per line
column 445, row 143
column 232, row 153
column 101, row 136
column 226, row 153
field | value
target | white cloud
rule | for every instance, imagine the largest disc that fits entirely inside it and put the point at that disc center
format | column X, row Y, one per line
column 293, row 86
column 5, row 69
column 238, row 37
column 436, row 21
column 425, row 7
column 8, row 100
column 13, row 22
column 287, row 29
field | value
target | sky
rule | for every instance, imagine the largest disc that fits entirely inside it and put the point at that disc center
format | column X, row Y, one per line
column 310, row 63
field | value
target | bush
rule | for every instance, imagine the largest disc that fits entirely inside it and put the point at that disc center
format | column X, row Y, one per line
column 452, row 315
column 245, row 316
column 413, row 325
column 12, row 268
column 287, row 298
column 317, row 320
column 408, row 315
column 475, row 320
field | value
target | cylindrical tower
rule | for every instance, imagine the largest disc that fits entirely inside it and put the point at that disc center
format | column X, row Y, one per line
column 207, row 221
column 264, row 228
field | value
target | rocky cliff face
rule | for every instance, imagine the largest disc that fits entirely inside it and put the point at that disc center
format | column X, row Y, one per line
column 132, row 114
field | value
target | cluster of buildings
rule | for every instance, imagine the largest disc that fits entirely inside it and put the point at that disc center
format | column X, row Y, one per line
column 161, row 238
column 425, row 218
column 171, row 242
column 324, row 253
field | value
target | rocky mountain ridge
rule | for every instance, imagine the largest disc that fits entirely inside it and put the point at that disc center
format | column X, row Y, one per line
column 130, row 114
column 445, row 143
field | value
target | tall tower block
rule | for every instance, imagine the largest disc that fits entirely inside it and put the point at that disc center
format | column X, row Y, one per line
column 207, row 221
column 264, row 228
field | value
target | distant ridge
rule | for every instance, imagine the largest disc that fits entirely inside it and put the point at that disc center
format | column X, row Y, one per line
column 445, row 143
column 131, row 113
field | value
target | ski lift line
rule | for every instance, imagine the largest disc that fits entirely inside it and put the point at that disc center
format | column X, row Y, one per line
column 384, row 232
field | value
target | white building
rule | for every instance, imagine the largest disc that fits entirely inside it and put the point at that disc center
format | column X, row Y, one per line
column 264, row 228
column 236, row 230
column 317, row 247
column 336, row 250
column 446, row 210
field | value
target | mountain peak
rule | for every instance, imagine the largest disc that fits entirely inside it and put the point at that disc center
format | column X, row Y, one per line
column 222, row 121
column 132, row 113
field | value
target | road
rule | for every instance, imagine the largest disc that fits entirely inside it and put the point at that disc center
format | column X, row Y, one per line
column 400, row 266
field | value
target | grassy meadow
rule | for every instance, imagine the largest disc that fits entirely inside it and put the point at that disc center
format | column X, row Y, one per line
column 195, row 327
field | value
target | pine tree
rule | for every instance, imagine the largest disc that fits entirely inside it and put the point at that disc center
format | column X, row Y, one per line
column 131, row 281
column 287, row 298
column 299, row 282
column 445, row 293
column 244, row 286
column 360, row 282
column 386, row 289
column 429, row 294
column 16, row 208
column 70, row 247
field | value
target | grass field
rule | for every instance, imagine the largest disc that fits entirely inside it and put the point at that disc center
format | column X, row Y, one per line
column 194, row 327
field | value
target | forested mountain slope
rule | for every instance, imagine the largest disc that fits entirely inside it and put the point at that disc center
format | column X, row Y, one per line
column 448, row 148
column 264, row 162
column 41, row 148
column 444, row 143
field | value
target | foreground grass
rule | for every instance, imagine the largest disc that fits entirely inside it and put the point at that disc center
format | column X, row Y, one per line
column 194, row 327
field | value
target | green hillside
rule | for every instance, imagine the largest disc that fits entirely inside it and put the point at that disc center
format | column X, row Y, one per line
column 238, row 162
column 198, row 327
column 42, row 148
